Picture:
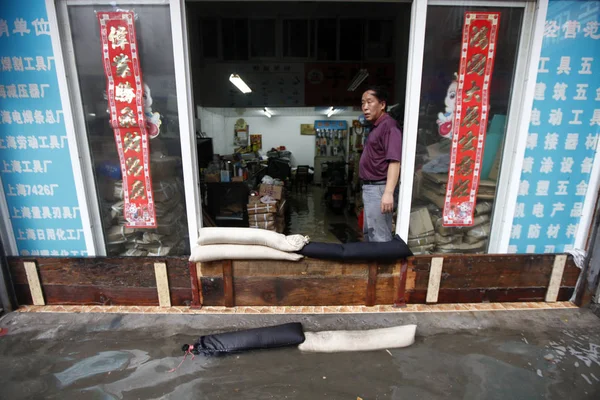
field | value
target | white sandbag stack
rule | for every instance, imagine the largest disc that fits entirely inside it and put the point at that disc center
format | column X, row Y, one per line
column 246, row 244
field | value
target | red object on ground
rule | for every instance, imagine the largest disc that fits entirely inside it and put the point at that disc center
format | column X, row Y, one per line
column 360, row 220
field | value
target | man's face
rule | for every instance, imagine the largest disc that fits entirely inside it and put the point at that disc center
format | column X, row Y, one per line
column 371, row 106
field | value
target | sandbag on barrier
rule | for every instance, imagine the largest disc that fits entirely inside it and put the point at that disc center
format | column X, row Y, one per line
column 214, row 252
column 251, row 339
column 395, row 249
column 248, row 236
column 372, row 339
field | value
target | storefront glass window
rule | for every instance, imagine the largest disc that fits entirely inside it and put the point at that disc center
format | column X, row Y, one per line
column 429, row 233
column 155, row 50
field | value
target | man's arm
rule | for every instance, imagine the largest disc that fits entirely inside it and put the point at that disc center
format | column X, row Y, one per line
column 387, row 200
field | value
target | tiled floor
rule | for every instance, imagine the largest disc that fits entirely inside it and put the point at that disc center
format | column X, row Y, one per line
column 300, row 310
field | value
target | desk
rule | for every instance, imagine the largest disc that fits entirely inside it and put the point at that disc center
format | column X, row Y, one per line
column 227, row 203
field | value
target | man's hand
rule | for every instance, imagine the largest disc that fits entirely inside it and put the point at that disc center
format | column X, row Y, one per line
column 387, row 203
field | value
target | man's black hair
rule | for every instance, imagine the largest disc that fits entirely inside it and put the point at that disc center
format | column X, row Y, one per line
column 380, row 93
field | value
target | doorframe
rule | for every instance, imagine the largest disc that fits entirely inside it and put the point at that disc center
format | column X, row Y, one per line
column 416, row 48
column 186, row 112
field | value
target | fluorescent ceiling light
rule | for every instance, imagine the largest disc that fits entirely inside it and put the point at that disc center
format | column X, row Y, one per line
column 358, row 79
column 239, row 83
column 330, row 112
column 267, row 112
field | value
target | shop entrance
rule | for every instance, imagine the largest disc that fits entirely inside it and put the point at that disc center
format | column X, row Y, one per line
column 277, row 93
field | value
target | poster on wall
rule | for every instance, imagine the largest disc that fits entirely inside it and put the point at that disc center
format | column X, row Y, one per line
column 36, row 173
column 562, row 143
column 125, row 99
column 241, row 133
column 256, row 142
column 307, row 129
column 470, row 117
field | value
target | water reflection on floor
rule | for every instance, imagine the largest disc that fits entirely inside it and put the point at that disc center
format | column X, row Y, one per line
column 309, row 215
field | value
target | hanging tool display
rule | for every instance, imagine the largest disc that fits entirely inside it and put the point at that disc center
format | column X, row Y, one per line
column 331, row 137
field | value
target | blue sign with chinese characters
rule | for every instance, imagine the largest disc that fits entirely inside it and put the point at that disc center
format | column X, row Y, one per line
column 335, row 125
column 35, row 163
column 563, row 133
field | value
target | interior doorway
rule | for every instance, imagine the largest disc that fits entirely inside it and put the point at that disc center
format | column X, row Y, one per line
column 277, row 93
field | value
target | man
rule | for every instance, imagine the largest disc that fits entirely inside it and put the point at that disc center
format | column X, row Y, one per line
column 379, row 167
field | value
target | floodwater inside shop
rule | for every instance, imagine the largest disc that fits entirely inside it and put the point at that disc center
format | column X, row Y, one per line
column 310, row 216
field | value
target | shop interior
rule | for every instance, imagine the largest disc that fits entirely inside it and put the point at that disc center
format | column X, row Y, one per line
column 277, row 88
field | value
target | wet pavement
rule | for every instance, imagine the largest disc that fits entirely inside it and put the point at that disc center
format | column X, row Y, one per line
column 309, row 215
column 551, row 354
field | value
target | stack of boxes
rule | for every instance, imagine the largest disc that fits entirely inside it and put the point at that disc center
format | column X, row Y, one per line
column 427, row 235
column 270, row 215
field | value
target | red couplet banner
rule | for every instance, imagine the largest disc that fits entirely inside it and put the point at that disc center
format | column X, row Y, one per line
column 125, row 99
column 478, row 52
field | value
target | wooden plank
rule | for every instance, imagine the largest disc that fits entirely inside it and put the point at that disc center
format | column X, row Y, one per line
column 199, row 283
column 103, row 271
column 162, row 284
column 34, row 283
column 306, row 267
column 556, row 278
column 400, row 281
column 371, row 285
column 411, row 275
column 195, row 270
column 213, row 293
column 107, row 296
column 488, row 295
column 435, row 277
column 489, row 272
column 257, row 291
column 228, row 283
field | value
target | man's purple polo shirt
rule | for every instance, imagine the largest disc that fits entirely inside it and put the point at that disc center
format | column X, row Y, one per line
column 384, row 144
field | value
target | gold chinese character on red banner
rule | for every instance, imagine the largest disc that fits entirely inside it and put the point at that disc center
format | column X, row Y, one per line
column 138, row 191
column 134, row 166
column 472, row 117
column 127, row 118
column 124, row 92
column 118, row 37
column 476, row 65
column 121, row 62
column 473, row 92
column 480, row 37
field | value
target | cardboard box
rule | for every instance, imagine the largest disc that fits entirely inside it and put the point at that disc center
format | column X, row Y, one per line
column 212, row 177
column 274, row 191
column 254, row 200
column 493, row 176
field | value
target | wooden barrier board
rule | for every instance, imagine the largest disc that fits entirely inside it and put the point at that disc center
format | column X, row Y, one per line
column 309, row 282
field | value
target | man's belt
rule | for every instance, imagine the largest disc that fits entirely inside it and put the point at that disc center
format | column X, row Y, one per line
column 383, row 182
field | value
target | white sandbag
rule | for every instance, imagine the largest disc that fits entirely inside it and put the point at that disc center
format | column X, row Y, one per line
column 213, row 252
column 250, row 236
column 372, row 339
